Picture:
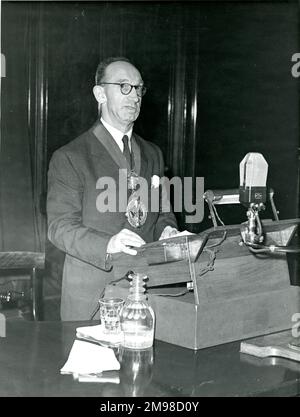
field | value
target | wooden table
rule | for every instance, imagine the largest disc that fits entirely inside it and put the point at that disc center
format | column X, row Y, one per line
column 32, row 354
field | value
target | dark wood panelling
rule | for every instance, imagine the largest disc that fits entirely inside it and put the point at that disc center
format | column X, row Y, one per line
column 73, row 53
column 38, row 114
column 247, row 98
column 16, row 204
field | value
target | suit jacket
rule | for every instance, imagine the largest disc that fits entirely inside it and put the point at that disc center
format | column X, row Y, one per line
column 76, row 226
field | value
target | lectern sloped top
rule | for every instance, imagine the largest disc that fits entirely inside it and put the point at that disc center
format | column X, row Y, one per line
column 164, row 261
column 209, row 289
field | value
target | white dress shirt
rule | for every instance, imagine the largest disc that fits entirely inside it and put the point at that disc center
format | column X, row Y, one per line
column 117, row 134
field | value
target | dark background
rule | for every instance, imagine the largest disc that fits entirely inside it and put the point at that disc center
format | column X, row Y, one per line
column 219, row 85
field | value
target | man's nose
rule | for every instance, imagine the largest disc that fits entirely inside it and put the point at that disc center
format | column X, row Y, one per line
column 133, row 94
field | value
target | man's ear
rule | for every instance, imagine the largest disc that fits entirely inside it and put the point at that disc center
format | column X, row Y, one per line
column 99, row 94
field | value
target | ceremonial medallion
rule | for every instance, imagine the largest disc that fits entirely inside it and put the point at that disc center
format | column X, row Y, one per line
column 136, row 212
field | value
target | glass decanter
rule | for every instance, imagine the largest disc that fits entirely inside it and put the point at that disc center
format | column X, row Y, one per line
column 137, row 317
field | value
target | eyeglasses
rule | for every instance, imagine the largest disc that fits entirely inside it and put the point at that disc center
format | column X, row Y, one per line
column 126, row 88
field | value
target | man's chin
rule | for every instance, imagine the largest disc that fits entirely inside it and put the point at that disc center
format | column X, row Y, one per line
column 130, row 118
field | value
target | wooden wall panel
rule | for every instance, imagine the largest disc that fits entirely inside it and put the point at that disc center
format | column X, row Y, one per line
column 248, row 100
column 73, row 52
column 16, row 191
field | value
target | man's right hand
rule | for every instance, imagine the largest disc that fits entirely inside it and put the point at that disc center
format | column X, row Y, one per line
column 124, row 241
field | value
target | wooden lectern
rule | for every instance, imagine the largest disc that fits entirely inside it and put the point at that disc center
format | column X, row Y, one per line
column 208, row 289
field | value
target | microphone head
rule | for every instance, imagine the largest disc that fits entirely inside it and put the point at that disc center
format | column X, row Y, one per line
column 253, row 179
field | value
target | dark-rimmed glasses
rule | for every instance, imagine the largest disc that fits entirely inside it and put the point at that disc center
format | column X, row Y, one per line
column 126, row 88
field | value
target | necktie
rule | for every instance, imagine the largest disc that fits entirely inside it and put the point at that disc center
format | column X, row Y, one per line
column 126, row 151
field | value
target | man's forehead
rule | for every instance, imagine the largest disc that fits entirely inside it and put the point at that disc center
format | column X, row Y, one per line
column 121, row 70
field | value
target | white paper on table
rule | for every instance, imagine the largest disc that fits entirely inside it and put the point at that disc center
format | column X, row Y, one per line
column 96, row 333
column 88, row 358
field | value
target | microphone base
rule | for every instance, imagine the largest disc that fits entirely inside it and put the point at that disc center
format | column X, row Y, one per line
column 255, row 195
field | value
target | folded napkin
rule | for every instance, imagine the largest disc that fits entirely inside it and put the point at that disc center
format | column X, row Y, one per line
column 96, row 334
column 88, row 358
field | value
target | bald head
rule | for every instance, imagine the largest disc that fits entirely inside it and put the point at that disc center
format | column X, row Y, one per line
column 101, row 69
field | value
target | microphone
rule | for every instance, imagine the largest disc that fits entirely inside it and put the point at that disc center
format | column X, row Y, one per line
column 252, row 194
column 253, row 179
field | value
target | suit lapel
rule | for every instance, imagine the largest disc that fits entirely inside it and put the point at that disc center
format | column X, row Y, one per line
column 140, row 158
column 108, row 142
column 136, row 151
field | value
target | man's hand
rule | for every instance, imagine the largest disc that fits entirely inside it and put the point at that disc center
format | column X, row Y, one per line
column 168, row 232
column 124, row 241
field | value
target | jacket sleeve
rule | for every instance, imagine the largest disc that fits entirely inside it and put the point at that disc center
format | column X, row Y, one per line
column 64, row 211
column 166, row 216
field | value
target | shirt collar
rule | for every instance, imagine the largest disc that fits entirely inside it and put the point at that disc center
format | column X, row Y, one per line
column 117, row 134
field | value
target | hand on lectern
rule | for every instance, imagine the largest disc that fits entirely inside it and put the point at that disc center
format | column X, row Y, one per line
column 125, row 241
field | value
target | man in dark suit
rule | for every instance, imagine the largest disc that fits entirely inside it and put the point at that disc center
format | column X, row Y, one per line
column 78, row 220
